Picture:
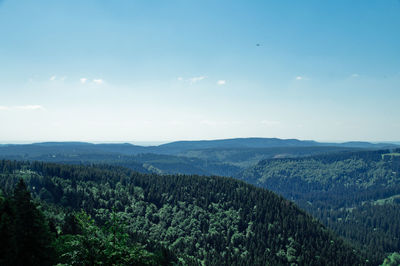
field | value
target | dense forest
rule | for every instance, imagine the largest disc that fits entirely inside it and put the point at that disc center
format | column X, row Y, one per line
column 93, row 214
column 219, row 157
column 29, row 237
column 356, row 194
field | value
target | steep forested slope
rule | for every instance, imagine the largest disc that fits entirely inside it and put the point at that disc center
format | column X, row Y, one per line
column 210, row 220
column 245, row 157
column 28, row 237
column 356, row 194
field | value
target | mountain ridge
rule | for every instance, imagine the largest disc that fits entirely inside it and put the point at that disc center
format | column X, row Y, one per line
column 251, row 142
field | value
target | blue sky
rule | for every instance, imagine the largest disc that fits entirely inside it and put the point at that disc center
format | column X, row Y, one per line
column 100, row 70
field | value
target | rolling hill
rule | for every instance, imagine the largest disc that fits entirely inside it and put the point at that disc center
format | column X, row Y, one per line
column 218, row 157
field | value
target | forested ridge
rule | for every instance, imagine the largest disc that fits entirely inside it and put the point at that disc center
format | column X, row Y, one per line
column 356, row 194
column 226, row 157
column 192, row 219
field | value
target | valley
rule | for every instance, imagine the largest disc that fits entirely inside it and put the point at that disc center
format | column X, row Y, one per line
column 353, row 191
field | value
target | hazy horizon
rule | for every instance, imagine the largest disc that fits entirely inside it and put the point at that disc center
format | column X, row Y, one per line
column 160, row 142
column 176, row 70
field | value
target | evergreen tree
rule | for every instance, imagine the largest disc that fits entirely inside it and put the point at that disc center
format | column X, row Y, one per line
column 8, row 243
column 32, row 233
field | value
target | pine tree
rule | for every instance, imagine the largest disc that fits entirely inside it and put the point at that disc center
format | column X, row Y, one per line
column 7, row 233
column 32, row 233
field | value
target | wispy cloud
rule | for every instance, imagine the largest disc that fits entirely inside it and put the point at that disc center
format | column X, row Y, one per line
column 196, row 79
column 221, row 82
column 301, row 78
column 54, row 78
column 355, row 75
column 29, row 107
column 22, row 107
column 191, row 80
column 98, row 81
column 95, row 81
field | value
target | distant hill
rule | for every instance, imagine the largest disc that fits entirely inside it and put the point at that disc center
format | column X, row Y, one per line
column 180, row 146
column 210, row 157
column 365, row 145
column 244, row 157
column 183, row 146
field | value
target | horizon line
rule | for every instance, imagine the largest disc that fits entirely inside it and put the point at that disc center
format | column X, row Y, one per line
column 160, row 142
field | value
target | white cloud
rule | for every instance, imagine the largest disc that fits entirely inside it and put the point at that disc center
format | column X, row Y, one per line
column 4, row 108
column 191, row 80
column 302, row 78
column 196, row 79
column 221, row 82
column 54, row 78
column 83, row 80
column 98, row 81
column 29, row 107
column 355, row 75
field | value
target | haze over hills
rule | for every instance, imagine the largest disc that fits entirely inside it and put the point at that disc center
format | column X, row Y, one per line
column 263, row 143
column 225, row 157
column 178, row 147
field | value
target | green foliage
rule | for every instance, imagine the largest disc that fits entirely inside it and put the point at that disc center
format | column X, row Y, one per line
column 355, row 194
column 94, row 246
column 392, row 260
column 26, row 238
column 24, row 231
column 203, row 220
